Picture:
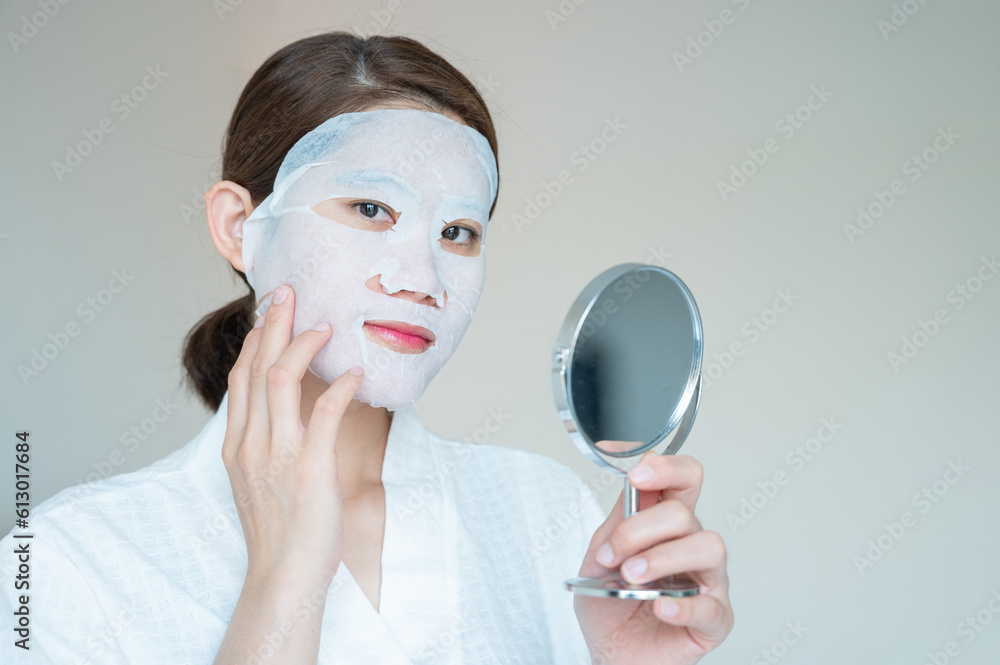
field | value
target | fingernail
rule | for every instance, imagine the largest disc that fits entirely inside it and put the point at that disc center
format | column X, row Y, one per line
column 321, row 326
column 605, row 555
column 264, row 304
column 668, row 608
column 280, row 294
column 635, row 567
column 641, row 473
column 356, row 371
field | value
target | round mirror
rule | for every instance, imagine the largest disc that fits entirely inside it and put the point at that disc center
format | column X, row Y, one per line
column 627, row 379
column 628, row 364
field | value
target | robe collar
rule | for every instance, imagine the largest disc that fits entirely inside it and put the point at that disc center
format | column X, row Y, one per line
column 419, row 555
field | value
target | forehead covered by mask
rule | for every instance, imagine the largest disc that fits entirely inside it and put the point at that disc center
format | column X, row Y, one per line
column 377, row 220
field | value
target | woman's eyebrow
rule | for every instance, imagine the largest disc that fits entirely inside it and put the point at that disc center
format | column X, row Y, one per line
column 375, row 177
column 458, row 207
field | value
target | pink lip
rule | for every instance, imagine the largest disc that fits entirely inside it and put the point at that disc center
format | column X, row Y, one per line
column 399, row 336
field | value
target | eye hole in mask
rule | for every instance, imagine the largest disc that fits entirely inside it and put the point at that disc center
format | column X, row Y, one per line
column 462, row 237
column 358, row 213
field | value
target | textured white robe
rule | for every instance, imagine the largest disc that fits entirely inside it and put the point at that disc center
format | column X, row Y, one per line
column 146, row 567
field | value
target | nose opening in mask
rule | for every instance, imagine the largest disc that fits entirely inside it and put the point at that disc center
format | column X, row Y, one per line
column 412, row 276
column 408, row 291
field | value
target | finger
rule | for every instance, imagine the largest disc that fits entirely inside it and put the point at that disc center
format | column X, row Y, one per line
column 663, row 521
column 675, row 476
column 239, row 395
column 324, row 422
column 284, row 383
column 702, row 552
column 710, row 618
column 277, row 333
column 591, row 567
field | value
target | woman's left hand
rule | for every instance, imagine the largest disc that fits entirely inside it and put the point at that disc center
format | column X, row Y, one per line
column 668, row 537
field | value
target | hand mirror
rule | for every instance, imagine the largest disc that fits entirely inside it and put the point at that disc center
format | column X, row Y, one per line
column 627, row 378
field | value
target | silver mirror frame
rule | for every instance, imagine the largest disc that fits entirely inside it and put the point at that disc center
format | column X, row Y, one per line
column 680, row 419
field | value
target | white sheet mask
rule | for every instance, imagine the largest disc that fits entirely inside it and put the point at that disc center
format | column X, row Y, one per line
column 345, row 266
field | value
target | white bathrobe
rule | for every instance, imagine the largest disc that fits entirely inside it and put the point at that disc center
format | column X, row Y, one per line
column 146, row 567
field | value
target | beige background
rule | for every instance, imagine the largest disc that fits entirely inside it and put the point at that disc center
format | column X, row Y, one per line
column 652, row 196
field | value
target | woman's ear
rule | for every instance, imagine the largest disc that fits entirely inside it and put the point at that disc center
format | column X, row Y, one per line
column 227, row 205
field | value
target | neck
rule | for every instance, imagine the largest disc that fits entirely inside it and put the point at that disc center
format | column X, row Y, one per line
column 361, row 439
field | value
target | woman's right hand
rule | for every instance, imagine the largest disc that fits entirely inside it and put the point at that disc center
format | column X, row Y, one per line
column 284, row 475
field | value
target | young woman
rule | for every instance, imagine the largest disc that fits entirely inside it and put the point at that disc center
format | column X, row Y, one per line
column 314, row 519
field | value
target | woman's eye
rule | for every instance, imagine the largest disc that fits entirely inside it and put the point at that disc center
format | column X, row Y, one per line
column 371, row 210
column 460, row 235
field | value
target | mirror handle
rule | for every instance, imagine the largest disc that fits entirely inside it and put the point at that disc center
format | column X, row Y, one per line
column 631, row 499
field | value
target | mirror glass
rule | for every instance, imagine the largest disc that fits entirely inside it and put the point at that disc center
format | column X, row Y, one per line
column 632, row 361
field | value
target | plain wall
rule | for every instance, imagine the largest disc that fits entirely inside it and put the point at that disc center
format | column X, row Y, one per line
column 883, row 84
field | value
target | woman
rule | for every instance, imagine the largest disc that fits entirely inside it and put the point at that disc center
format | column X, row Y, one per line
column 314, row 519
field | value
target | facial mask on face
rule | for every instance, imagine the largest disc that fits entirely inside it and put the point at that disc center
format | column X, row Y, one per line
column 361, row 224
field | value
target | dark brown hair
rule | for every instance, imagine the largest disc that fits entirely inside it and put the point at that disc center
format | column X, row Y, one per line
column 294, row 91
